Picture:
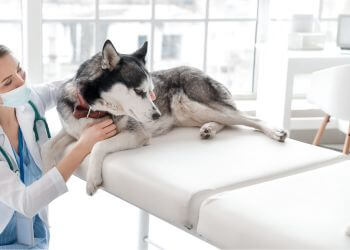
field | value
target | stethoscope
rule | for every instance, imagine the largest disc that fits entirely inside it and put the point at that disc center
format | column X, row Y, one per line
column 37, row 118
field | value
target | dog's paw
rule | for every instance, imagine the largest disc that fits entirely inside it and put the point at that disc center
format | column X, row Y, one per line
column 206, row 132
column 93, row 185
column 91, row 188
column 279, row 135
column 146, row 141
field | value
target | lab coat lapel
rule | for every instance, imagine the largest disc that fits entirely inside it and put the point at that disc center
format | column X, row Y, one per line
column 25, row 117
column 5, row 143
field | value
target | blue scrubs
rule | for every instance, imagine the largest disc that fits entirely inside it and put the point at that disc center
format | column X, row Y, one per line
column 29, row 172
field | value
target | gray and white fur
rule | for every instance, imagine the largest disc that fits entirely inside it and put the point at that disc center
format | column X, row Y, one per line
column 121, row 85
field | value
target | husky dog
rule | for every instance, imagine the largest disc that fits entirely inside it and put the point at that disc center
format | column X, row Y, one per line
column 118, row 86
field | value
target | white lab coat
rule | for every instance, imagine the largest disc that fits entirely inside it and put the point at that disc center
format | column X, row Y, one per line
column 14, row 195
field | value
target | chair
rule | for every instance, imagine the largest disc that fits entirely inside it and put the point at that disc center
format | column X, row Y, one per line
column 330, row 90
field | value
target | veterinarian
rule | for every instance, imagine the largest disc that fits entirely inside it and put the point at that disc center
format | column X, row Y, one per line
column 24, row 191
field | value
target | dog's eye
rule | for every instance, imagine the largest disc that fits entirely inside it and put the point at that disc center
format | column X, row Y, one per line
column 140, row 93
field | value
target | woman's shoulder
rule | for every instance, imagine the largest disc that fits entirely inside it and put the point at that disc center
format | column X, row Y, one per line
column 46, row 93
column 36, row 100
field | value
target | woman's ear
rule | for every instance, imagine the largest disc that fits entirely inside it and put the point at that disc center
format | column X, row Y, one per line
column 141, row 52
column 110, row 56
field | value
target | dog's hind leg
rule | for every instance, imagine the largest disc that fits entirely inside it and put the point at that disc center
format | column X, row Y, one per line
column 210, row 129
column 239, row 118
column 231, row 118
column 194, row 113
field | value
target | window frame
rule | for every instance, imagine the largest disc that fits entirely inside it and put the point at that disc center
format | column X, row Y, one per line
column 15, row 21
column 33, row 16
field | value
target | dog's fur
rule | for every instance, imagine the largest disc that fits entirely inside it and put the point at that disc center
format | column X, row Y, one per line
column 121, row 85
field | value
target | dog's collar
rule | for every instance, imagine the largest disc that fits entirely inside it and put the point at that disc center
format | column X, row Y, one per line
column 83, row 109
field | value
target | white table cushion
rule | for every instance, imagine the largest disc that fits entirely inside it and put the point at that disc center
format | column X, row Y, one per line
column 310, row 210
column 171, row 177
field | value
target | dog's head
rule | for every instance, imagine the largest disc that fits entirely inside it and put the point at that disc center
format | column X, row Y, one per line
column 118, row 83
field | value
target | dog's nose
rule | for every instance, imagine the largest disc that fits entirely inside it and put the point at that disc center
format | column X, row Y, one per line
column 155, row 116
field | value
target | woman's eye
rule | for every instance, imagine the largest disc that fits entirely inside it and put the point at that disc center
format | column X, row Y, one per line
column 8, row 82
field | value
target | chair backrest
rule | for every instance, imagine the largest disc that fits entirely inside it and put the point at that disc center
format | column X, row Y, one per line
column 330, row 90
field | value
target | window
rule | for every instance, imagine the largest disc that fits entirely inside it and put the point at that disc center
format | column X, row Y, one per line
column 68, row 35
column 11, row 26
column 217, row 36
column 180, row 32
column 141, row 40
column 171, row 46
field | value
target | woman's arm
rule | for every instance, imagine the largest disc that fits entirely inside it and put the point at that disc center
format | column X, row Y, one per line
column 82, row 148
column 47, row 92
column 29, row 200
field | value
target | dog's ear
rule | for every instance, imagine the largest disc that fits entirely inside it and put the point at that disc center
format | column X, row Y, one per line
column 141, row 52
column 110, row 56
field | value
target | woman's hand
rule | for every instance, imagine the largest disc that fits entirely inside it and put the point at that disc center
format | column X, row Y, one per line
column 96, row 132
column 91, row 135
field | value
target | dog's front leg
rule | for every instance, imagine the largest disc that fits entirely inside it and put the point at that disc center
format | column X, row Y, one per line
column 122, row 141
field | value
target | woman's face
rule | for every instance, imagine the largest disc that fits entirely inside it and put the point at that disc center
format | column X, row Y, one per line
column 11, row 74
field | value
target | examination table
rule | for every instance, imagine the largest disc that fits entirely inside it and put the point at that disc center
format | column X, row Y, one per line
column 239, row 190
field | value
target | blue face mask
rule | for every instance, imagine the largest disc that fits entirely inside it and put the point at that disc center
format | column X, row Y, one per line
column 16, row 97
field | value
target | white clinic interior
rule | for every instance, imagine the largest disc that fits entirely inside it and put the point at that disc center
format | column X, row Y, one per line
column 266, row 52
